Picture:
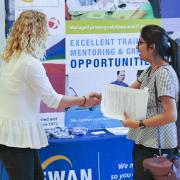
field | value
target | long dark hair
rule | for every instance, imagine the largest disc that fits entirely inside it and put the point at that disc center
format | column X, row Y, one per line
column 174, row 53
column 154, row 34
column 165, row 47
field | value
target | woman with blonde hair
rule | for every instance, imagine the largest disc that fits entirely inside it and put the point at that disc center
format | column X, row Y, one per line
column 23, row 83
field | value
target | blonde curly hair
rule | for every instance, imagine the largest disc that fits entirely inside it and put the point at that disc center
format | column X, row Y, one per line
column 28, row 34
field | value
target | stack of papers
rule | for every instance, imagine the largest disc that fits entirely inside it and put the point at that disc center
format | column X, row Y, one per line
column 118, row 130
column 117, row 99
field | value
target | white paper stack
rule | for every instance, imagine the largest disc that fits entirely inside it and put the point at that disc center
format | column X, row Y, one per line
column 118, row 130
column 117, row 99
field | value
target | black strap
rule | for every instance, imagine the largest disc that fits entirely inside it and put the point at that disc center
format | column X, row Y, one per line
column 157, row 111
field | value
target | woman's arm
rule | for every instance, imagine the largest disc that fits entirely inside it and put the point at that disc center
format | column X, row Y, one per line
column 136, row 85
column 38, row 81
column 90, row 100
column 145, row 10
column 167, row 116
column 138, row 14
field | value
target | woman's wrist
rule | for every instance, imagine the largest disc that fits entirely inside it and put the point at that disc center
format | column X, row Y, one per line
column 84, row 101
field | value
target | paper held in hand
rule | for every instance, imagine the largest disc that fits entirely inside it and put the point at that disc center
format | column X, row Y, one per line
column 117, row 99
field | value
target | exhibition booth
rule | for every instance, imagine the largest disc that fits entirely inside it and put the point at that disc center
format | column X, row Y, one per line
column 90, row 44
column 98, row 155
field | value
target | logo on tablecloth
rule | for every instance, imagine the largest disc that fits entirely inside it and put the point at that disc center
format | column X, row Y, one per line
column 59, row 173
column 55, row 158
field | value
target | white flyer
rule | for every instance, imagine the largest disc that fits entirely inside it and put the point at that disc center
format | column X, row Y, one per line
column 117, row 99
column 118, row 130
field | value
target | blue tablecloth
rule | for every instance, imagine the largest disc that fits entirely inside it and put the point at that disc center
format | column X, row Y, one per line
column 90, row 157
column 91, row 118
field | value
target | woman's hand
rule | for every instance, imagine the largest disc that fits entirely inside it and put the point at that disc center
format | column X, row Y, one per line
column 92, row 99
column 128, row 122
column 95, row 94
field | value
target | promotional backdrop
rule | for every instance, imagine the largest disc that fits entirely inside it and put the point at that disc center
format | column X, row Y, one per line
column 89, row 42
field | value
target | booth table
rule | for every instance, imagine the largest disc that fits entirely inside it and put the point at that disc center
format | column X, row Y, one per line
column 95, row 156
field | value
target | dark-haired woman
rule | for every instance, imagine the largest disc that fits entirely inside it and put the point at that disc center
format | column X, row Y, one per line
column 154, row 47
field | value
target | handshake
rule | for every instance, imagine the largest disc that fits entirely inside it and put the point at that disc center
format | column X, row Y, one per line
column 91, row 99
